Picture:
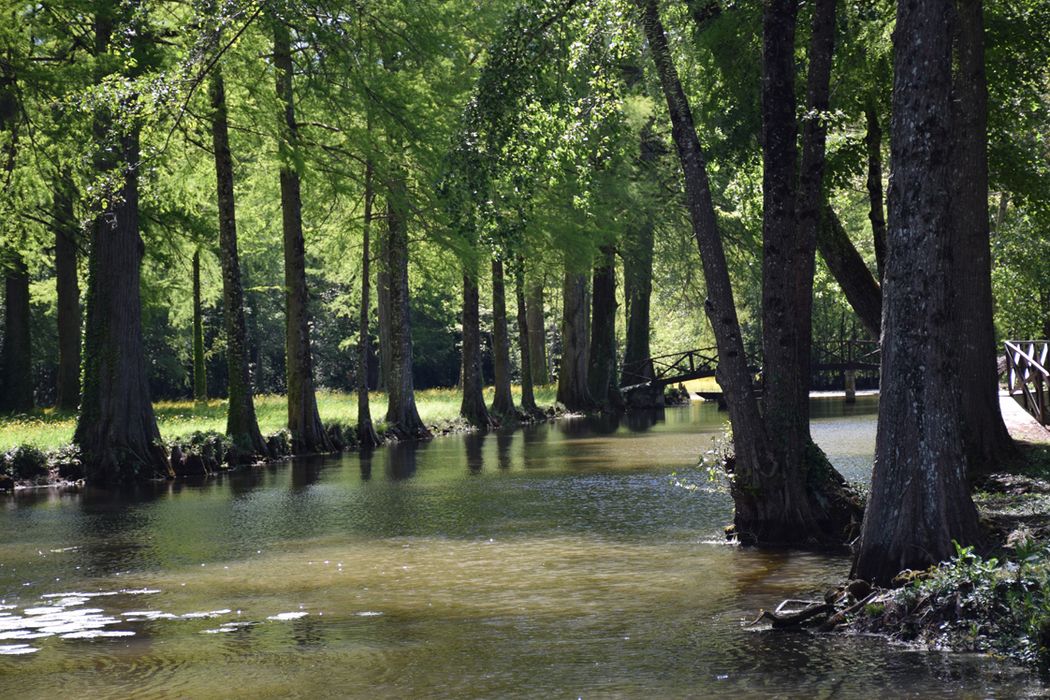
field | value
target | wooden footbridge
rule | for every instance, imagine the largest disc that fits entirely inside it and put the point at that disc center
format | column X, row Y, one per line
column 830, row 356
column 1027, row 377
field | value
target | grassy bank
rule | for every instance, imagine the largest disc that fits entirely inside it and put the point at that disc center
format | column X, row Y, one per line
column 48, row 430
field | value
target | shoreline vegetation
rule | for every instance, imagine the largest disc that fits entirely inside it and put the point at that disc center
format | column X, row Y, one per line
column 36, row 448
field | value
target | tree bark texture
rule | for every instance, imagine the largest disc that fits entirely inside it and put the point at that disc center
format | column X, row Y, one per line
column 988, row 442
column 402, row 417
column 573, row 389
column 366, row 433
column 637, row 254
column 602, row 376
column 764, row 515
column 116, row 428
column 502, row 401
column 17, row 385
column 304, row 422
column 241, row 423
column 537, row 331
column 200, row 376
column 876, row 213
column 787, row 423
column 473, row 405
column 919, row 497
column 67, row 289
column 849, row 270
column 528, row 397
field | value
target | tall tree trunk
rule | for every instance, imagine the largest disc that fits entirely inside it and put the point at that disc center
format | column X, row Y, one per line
column 919, row 497
column 876, row 215
column 304, row 422
column 781, row 323
column 602, row 377
column 638, row 288
column 573, row 390
column 528, row 397
column 366, row 433
column 200, row 375
column 67, row 289
column 502, row 401
column 849, row 270
column 401, row 414
column 17, row 383
column 241, row 423
column 988, row 442
column 537, row 331
column 473, row 405
column 116, row 428
column 787, row 517
column 383, row 309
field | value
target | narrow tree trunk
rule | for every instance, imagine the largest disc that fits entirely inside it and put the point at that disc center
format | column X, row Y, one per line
column 502, row 401
column 528, row 397
column 116, row 428
column 602, row 376
column 401, row 415
column 876, row 215
column 366, row 434
column 200, row 376
column 919, row 499
column 67, row 289
column 241, row 423
column 759, row 518
column 17, row 356
column 781, row 318
column 573, row 390
column 473, row 405
column 537, row 332
column 304, row 422
column 849, row 270
column 988, row 442
column 383, row 309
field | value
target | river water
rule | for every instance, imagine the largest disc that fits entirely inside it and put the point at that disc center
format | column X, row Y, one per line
column 582, row 558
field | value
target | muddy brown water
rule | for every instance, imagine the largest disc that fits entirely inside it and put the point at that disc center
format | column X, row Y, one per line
column 582, row 558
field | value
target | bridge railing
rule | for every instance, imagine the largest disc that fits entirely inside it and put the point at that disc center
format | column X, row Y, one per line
column 1026, row 373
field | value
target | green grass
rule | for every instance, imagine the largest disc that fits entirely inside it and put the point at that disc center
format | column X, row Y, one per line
column 47, row 429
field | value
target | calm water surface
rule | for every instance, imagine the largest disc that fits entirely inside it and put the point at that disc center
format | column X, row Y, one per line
column 565, row 560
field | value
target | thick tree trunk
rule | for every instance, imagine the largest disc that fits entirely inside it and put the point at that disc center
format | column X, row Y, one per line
column 528, row 397
column 988, row 443
column 502, row 401
column 876, row 214
column 116, row 428
column 849, row 270
column 537, row 332
column 602, row 377
column 402, row 416
column 573, row 390
column 919, row 499
column 473, row 405
column 200, row 376
column 17, row 384
column 304, row 422
column 67, row 289
column 366, row 433
column 241, row 423
column 761, row 517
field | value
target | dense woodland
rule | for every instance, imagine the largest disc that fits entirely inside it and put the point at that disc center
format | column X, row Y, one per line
column 225, row 199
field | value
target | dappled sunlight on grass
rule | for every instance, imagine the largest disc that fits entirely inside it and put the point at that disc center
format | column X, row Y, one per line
column 48, row 429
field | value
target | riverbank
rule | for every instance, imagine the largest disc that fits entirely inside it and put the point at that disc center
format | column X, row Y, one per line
column 35, row 449
column 994, row 601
